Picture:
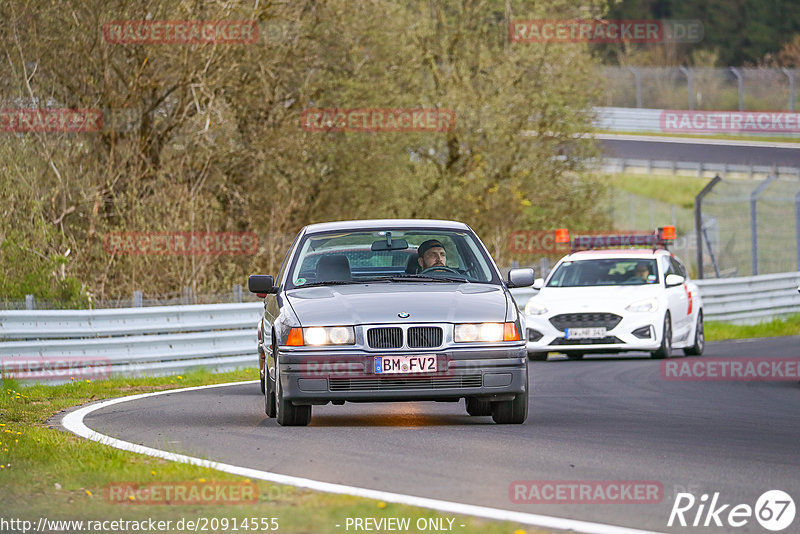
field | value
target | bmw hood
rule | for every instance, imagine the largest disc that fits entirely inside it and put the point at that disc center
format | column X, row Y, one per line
column 390, row 302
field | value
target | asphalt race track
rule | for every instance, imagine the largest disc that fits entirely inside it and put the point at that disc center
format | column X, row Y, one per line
column 604, row 418
column 706, row 151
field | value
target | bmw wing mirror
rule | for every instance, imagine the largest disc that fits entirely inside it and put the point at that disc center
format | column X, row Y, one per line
column 261, row 284
column 520, row 278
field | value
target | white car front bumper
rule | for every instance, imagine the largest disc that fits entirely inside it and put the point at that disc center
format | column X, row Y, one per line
column 631, row 332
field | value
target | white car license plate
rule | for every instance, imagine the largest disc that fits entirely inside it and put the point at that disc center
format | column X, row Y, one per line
column 389, row 365
column 585, row 333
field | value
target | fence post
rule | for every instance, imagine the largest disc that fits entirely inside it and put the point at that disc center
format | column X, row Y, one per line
column 638, row 81
column 187, row 295
column 754, row 218
column 791, row 87
column 698, row 221
column 237, row 292
column 30, row 302
column 797, row 225
column 137, row 299
column 689, row 85
column 740, row 83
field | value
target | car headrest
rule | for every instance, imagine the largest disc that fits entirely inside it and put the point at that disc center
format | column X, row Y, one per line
column 412, row 266
column 333, row 268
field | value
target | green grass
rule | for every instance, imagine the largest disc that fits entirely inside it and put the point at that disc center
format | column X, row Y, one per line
column 790, row 326
column 679, row 190
column 45, row 472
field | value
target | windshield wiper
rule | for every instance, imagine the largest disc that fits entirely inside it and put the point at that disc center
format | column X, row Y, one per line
column 329, row 283
column 418, row 278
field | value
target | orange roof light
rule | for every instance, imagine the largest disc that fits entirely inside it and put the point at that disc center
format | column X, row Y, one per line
column 667, row 232
column 562, row 235
column 510, row 332
column 295, row 337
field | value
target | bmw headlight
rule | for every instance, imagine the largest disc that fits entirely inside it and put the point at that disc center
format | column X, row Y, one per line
column 322, row 335
column 533, row 307
column 644, row 306
column 486, row 332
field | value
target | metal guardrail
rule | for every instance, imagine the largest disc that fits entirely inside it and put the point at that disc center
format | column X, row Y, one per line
column 745, row 300
column 135, row 341
column 175, row 339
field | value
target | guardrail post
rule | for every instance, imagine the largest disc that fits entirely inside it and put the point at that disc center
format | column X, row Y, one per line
column 698, row 221
column 237, row 292
column 137, row 299
column 30, row 302
column 754, row 218
column 740, row 83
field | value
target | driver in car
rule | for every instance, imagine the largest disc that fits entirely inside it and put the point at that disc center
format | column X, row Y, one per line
column 431, row 253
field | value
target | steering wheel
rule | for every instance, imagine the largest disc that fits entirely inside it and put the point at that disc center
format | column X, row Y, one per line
column 440, row 268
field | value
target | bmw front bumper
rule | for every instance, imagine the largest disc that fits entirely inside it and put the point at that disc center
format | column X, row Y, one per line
column 320, row 376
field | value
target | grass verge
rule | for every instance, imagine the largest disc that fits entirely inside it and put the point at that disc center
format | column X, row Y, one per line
column 790, row 326
column 679, row 190
column 47, row 473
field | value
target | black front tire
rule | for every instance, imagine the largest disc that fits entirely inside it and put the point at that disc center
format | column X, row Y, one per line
column 538, row 356
column 478, row 407
column 574, row 355
column 666, row 340
column 512, row 412
column 287, row 413
column 263, row 385
column 699, row 338
column 269, row 398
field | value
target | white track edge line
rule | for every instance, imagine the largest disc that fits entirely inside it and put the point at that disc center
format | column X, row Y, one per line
column 73, row 422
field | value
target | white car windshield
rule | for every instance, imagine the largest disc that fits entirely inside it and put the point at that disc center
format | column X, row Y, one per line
column 604, row 272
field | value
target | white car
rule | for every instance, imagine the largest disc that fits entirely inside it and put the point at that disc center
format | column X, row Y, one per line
column 607, row 301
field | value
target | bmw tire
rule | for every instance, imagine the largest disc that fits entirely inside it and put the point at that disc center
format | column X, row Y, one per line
column 287, row 413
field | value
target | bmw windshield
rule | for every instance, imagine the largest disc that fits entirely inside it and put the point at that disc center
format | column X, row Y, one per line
column 416, row 255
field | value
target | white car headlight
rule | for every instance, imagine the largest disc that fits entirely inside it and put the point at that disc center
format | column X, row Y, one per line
column 535, row 308
column 644, row 306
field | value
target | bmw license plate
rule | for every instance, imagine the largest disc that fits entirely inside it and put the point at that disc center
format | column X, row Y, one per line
column 585, row 333
column 389, row 365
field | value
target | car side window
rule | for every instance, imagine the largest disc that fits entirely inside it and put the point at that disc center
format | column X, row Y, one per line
column 666, row 266
column 678, row 267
